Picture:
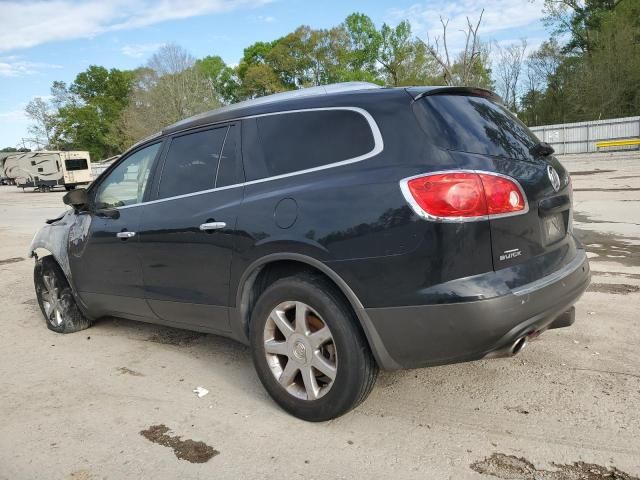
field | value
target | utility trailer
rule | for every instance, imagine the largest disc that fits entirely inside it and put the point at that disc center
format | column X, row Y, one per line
column 45, row 170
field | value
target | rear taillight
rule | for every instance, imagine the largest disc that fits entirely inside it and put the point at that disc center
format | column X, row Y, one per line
column 464, row 195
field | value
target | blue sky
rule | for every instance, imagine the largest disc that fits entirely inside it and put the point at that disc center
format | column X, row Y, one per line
column 46, row 40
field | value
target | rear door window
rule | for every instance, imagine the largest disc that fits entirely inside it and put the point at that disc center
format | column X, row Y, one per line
column 476, row 125
column 191, row 162
column 230, row 168
column 302, row 140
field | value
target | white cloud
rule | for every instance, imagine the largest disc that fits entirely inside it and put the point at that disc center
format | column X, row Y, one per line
column 266, row 18
column 14, row 66
column 13, row 115
column 140, row 50
column 499, row 16
column 34, row 22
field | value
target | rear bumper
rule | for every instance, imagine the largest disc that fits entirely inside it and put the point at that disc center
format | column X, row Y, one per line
column 423, row 335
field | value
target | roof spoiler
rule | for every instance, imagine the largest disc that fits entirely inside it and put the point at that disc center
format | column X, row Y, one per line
column 417, row 93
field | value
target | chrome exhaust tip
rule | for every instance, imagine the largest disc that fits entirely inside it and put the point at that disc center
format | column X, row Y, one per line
column 510, row 350
column 518, row 345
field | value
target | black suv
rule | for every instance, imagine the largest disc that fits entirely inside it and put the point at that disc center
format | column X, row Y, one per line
column 337, row 230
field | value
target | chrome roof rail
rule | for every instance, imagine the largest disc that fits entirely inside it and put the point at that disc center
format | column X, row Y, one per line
column 276, row 97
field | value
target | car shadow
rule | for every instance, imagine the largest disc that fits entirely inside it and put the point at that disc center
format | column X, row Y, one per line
column 228, row 360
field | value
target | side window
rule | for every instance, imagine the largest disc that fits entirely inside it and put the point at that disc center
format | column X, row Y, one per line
column 76, row 164
column 191, row 163
column 303, row 140
column 229, row 162
column 126, row 183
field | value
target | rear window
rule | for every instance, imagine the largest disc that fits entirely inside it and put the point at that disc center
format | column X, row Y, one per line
column 191, row 163
column 76, row 164
column 301, row 140
column 476, row 125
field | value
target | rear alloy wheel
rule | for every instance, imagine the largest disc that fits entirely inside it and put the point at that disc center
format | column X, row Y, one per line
column 308, row 349
column 55, row 298
column 300, row 350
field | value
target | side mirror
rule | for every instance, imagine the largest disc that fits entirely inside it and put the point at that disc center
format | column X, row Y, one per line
column 77, row 198
column 112, row 213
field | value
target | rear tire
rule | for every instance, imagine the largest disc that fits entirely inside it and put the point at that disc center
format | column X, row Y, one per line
column 55, row 298
column 296, row 367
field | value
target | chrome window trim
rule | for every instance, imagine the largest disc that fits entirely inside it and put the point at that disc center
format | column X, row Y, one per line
column 404, row 187
column 378, row 147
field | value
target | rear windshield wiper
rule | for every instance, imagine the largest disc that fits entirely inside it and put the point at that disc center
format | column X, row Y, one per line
column 541, row 149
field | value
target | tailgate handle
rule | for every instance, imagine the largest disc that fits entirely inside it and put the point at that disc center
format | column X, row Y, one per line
column 555, row 204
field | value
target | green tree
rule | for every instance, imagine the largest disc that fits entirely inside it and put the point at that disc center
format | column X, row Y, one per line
column 256, row 76
column 364, row 47
column 396, row 47
column 580, row 19
column 89, row 108
column 596, row 74
column 221, row 78
column 260, row 80
column 611, row 80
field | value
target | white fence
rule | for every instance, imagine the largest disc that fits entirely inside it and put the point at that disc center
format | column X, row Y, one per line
column 581, row 137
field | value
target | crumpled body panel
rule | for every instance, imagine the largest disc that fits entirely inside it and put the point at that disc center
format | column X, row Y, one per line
column 62, row 236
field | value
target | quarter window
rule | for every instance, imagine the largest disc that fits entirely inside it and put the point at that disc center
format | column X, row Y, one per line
column 191, row 163
column 302, row 140
column 126, row 183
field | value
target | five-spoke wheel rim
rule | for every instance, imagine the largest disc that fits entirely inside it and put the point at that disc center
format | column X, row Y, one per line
column 300, row 350
column 50, row 296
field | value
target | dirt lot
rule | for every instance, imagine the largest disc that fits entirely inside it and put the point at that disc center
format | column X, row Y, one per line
column 116, row 401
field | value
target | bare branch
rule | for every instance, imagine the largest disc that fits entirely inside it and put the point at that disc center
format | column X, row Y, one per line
column 461, row 71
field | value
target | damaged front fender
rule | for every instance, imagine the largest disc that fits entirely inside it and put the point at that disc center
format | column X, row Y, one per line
column 61, row 237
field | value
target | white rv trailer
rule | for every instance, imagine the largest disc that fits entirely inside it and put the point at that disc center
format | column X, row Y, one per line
column 3, row 177
column 4, row 180
column 45, row 170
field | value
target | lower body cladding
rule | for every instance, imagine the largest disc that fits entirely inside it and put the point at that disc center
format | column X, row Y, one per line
column 424, row 335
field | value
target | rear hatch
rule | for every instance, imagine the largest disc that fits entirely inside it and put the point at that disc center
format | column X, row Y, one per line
column 481, row 134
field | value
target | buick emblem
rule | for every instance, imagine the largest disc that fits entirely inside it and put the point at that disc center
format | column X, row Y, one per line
column 554, row 178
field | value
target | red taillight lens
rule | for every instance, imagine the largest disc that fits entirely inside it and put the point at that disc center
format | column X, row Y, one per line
column 464, row 195
column 503, row 194
column 455, row 194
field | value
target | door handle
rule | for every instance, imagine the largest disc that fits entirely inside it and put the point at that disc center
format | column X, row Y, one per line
column 125, row 235
column 212, row 226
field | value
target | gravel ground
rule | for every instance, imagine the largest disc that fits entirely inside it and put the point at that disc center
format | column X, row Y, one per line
column 116, row 401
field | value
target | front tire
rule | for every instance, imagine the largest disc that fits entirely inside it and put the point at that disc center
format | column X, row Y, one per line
column 308, row 349
column 55, row 298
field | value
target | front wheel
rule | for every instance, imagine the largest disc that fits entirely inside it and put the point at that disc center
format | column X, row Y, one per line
column 55, row 298
column 308, row 349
